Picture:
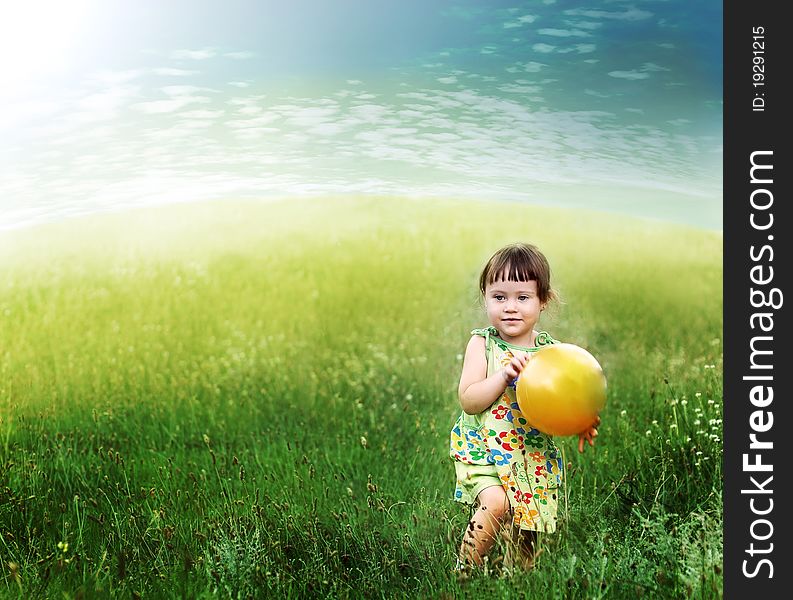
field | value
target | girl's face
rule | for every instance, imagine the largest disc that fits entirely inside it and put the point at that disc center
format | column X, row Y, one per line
column 513, row 308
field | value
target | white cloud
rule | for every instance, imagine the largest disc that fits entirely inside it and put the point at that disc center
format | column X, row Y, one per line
column 628, row 74
column 585, row 24
column 180, row 96
column 327, row 129
column 202, row 54
column 410, row 114
column 114, row 77
column 514, row 88
column 311, row 116
column 450, row 79
column 246, row 100
column 533, row 66
column 171, row 72
column 181, row 90
column 564, row 32
column 105, row 104
column 160, row 106
column 520, row 21
column 631, row 14
column 580, row 48
column 255, row 122
column 14, row 115
column 543, row 48
column 369, row 113
column 250, row 109
column 203, row 114
column 463, row 141
column 642, row 73
column 652, row 67
column 442, row 137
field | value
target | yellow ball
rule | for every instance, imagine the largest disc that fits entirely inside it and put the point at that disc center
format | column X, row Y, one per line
column 561, row 390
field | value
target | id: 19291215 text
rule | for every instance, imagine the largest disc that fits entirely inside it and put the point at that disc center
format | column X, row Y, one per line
column 758, row 68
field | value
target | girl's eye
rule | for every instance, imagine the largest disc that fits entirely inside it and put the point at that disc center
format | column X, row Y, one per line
column 498, row 297
column 523, row 298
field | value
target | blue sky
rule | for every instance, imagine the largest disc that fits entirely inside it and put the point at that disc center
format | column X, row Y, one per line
column 611, row 105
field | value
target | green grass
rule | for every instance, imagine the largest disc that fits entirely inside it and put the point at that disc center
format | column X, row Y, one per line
column 254, row 400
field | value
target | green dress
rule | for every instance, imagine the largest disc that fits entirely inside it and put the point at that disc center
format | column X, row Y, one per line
column 500, row 447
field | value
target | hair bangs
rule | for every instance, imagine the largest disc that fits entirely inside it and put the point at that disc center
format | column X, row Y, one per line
column 508, row 270
column 519, row 262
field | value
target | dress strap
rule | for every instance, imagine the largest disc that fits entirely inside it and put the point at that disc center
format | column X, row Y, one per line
column 544, row 338
column 485, row 332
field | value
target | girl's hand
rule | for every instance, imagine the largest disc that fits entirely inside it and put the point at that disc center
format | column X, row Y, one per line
column 515, row 366
column 589, row 435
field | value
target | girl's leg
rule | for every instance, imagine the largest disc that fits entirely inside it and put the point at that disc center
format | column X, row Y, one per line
column 483, row 528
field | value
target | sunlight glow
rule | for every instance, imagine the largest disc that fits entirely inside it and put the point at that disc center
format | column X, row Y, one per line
column 36, row 37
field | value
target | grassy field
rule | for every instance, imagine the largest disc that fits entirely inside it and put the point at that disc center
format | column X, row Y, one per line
column 246, row 400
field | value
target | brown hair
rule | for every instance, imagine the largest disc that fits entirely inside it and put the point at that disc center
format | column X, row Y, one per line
column 519, row 262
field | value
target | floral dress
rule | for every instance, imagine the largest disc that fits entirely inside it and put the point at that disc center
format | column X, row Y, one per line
column 500, row 447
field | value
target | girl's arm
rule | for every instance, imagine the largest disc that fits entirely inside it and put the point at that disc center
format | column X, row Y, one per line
column 477, row 391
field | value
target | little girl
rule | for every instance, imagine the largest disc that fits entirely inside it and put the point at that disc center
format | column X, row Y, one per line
column 506, row 470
